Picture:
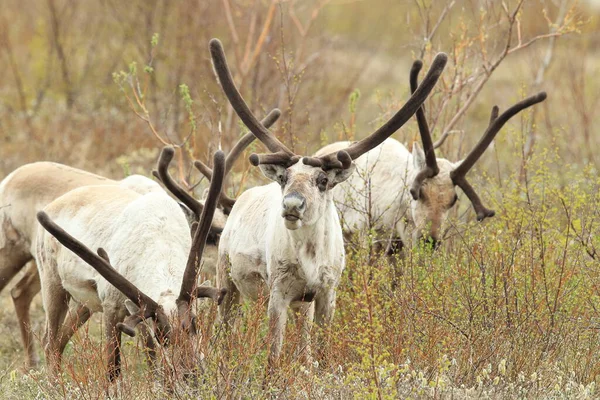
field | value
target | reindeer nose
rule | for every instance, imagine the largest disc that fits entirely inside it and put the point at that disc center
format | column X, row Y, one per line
column 293, row 204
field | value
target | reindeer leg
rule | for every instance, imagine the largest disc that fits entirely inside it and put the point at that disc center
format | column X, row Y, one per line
column 77, row 316
column 232, row 297
column 22, row 294
column 56, row 303
column 277, row 312
column 304, row 313
column 149, row 344
column 113, row 342
column 324, row 309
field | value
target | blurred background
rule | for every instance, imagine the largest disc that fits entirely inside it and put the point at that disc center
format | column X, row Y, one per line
column 103, row 85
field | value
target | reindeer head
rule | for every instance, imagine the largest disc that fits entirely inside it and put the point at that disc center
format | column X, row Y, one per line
column 306, row 181
column 433, row 188
column 141, row 307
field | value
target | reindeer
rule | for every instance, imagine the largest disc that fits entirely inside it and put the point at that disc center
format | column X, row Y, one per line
column 412, row 193
column 287, row 234
column 148, row 239
column 31, row 187
column 23, row 193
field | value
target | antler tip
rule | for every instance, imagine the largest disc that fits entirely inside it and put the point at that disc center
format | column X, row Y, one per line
column 126, row 329
column 215, row 43
column 275, row 113
column 42, row 217
column 417, row 65
column 541, row 96
column 485, row 214
column 441, row 56
column 167, row 153
column 344, row 158
column 219, row 157
column 254, row 159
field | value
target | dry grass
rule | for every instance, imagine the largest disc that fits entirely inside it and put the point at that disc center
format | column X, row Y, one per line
column 507, row 309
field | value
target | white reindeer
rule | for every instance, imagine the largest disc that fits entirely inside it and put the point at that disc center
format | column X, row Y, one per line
column 28, row 189
column 23, row 193
column 287, row 234
column 411, row 194
column 156, row 262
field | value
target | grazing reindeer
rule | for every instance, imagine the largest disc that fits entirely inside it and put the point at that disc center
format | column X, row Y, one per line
column 411, row 194
column 148, row 239
column 23, row 193
column 29, row 188
column 287, row 234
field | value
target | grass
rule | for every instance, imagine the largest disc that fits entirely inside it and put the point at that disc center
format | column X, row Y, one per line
column 507, row 308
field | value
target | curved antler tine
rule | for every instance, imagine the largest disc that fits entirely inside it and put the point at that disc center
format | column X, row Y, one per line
column 199, row 241
column 129, row 324
column 98, row 262
column 156, row 175
column 166, row 155
column 419, row 96
column 248, row 138
column 280, row 158
column 481, row 211
column 403, row 115
column 491, row 132
column 239, row 147
column 204, row 169
column 430, row 159
column 415, row 188
column 494, row 114
column 211, row 292
column 237, row 101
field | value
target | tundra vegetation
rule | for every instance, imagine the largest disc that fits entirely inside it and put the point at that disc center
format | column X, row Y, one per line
column 504, row 308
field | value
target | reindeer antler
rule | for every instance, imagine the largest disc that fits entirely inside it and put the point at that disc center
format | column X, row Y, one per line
column 280, row 153
column 101, row 263
column 241, row 145
column 148, row 307
column 165, row 158
column 187, row 292
column 431, row 168
column 496, row 123
column 418, row 97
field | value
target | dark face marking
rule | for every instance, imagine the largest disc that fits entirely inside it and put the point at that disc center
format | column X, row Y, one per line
column 454, row 200
column 311, row 250
column 322, row 181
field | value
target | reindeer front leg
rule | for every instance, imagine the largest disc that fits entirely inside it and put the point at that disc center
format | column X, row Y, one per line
column 324, row 309
column 113, row 342
column 304, row 312
column 277, row 312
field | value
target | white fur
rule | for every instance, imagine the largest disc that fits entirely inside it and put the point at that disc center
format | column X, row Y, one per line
column 293, row 258
column 377, row 196
column 28, row 190
column 146, row 237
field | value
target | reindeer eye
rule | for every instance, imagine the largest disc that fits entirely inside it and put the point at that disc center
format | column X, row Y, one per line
column 454, row 200
column 322, row 182
column 283, row 178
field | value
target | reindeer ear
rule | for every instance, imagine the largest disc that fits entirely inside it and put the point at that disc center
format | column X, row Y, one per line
column 189, row 214
column 274, row 172
column 418, row 157
column 457, row 164
column 339, row 175
column 132, row 308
